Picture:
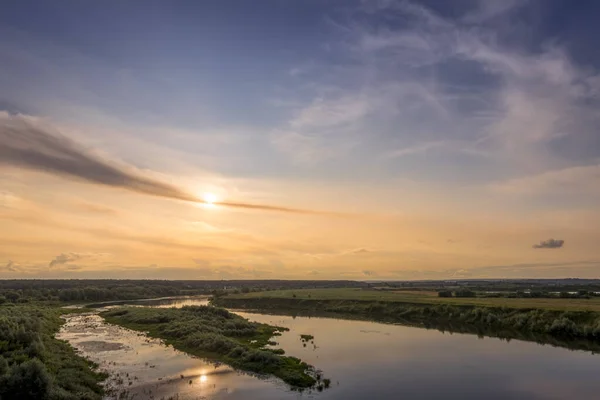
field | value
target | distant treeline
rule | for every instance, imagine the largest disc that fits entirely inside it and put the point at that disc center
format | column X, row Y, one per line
column 572, row 329
column 16, row 291
column 35, row 365
column 536, row 294
column 499, row 285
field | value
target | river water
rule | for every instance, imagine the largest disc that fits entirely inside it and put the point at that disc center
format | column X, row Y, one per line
column 364, row 360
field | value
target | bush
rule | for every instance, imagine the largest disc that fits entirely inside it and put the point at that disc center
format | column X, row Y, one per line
column 29, row 380
column 444, row 293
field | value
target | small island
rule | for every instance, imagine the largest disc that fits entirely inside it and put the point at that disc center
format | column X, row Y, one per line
column 219, row 335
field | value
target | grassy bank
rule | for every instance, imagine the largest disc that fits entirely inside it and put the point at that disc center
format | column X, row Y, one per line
column 427, row 297
column 35, row 365
column 216, row 334
column 564, row 328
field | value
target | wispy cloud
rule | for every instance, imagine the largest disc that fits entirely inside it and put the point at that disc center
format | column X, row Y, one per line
column 30, row 143
column 487, row 97
column 11, row 266
column 64, row 258
column 323, row 129
column 570, row 181
column 417, row 149
column 486, row 10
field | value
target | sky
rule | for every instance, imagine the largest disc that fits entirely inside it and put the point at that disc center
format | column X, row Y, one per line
column 314, row 139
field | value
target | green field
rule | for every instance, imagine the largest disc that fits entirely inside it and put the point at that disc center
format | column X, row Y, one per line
column 427, row 297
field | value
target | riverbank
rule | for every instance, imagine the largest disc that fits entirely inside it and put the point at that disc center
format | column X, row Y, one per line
column 36, row 365
column 571, row 329
column 428, row 297
column 219, row 335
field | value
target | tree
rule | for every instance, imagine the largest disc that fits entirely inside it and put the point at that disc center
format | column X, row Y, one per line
column 3, row 366
column 464, row 293
column 445, row 293
column 12, row 296
column 27, row 381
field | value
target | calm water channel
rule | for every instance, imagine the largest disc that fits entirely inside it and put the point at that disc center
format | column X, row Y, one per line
column 364, row 360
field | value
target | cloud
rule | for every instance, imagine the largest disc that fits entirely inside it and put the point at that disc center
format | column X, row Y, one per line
column 324, row 129
column 361, row 250
column 572, row 180
column 369, row 273
column 11, row 266
column 64, row 258
column 331, row 113
column 549, row 244
column 95, row 208
column 525, row 111
column 8, row 199
column 232, row 272
column 486, row 10
column 201, row 263
column 417, row 149
column 30, row 143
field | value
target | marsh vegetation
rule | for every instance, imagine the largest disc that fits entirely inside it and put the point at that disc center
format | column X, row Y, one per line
column 218, row 334
column 35, row 365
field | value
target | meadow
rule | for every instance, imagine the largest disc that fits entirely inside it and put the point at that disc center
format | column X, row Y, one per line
column 426, row 297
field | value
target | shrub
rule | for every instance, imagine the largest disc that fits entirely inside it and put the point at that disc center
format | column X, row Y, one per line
column 28, row 380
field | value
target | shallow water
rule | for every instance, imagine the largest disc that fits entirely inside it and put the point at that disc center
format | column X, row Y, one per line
column 148, row 369
column 362, row 359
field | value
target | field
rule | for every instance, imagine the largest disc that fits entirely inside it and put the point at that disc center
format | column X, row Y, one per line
column 426, row 297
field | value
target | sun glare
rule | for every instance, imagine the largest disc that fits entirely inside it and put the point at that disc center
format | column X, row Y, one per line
column 209, row 198
column 203, row 378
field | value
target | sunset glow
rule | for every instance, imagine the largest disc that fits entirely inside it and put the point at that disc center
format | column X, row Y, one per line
column 209, row 198
column 373, row 140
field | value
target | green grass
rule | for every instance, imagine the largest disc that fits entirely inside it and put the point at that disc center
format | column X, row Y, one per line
column 425, row 297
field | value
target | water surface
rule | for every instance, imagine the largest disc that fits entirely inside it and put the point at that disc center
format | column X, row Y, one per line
column 363, row 359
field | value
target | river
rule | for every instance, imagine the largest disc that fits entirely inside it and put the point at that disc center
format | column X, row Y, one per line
column 364, row 360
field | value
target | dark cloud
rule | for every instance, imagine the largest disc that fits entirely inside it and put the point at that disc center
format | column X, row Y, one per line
column 549, row 244
column 28, row 143
column 64, row 258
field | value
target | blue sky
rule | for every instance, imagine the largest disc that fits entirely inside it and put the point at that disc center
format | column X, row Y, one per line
column 492, row 101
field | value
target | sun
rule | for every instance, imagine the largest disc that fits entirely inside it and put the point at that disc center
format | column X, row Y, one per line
column 209, row 198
